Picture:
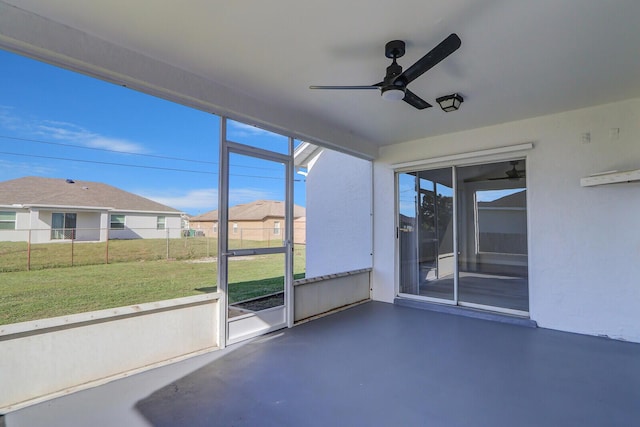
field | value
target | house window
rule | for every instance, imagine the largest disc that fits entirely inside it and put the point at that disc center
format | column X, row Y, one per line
column 63, row 226
column 276, row 228
column 235, row 228
column 7, row 220
column 215, row 228
column 160, row 223
column 117, row 222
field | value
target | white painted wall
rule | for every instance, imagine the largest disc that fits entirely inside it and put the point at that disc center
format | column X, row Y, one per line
column 338, row 214
column 144, row 226
column 53, row 357
column 319, row 295
column 89, row 224
column 584, row 243
column 20, row 233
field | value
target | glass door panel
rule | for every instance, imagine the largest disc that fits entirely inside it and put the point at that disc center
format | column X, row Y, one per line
column 435, row 250
column 256, row 202
column 425, row 233
column 492, row 238
column 256, row 283
column 408, row 234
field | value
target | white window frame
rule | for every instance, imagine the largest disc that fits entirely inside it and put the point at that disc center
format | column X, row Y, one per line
column 161, row 223
column 276, row 228
column 124, row 219
column 7, row 221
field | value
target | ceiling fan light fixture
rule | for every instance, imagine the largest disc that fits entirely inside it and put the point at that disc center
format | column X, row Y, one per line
column 450, row 102
column 392, row 93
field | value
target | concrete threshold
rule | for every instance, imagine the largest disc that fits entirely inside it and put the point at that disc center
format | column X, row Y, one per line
column 466, row 312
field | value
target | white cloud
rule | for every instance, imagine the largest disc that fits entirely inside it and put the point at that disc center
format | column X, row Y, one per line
column 53, row 130
column 79, row 135
column 8, row 120
column 198, row 200
column 243, row 129
column 11, row 169
column 115, row 144
column 63, row 131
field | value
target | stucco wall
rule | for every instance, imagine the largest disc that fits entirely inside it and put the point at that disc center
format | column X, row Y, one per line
column 53, row 357
column 338, row 214
column 257, row 230
column 140, row 225
column 584, row 258
column 20, row 233
column 90, row 226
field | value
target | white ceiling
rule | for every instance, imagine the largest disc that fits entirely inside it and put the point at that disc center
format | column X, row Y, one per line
column 518, row 59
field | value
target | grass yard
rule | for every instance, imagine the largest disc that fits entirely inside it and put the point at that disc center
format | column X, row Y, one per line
column 50, row 292
column 18, row 256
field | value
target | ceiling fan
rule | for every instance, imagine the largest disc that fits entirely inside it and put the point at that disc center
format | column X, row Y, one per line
column 394, row 85
column 513, row 173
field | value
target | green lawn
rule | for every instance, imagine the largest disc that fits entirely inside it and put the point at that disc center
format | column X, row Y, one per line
column 18, row 256
column 50, row 292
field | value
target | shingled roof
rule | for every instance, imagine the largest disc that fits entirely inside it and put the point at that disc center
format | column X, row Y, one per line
column 254, row 211
column 37, row 191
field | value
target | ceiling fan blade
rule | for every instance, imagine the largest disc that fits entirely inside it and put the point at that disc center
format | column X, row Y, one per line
column 415, row 101
column 346, row 87
column 437, row 54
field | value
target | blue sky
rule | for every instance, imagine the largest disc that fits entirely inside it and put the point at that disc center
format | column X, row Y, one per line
column 60, row 124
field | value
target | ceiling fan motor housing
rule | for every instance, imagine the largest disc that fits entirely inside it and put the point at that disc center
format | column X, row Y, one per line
column 394, row 49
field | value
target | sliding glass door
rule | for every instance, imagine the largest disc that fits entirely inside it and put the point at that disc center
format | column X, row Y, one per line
column 462, row 235
column 426, row 234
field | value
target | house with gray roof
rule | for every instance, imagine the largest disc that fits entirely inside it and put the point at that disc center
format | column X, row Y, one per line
column 40, row 210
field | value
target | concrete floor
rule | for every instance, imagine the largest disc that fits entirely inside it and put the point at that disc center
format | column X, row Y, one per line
column 375, row 365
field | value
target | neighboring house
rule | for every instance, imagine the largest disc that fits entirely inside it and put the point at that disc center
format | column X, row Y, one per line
column 50, row 209
column 260, row 220
column 501, row 223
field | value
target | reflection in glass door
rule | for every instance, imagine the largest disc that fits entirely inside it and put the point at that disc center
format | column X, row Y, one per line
column 492, row 261
column 426, row 234
column 478, row 259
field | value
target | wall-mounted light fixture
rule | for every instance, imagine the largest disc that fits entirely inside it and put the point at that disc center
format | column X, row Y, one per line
column 450, row 102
